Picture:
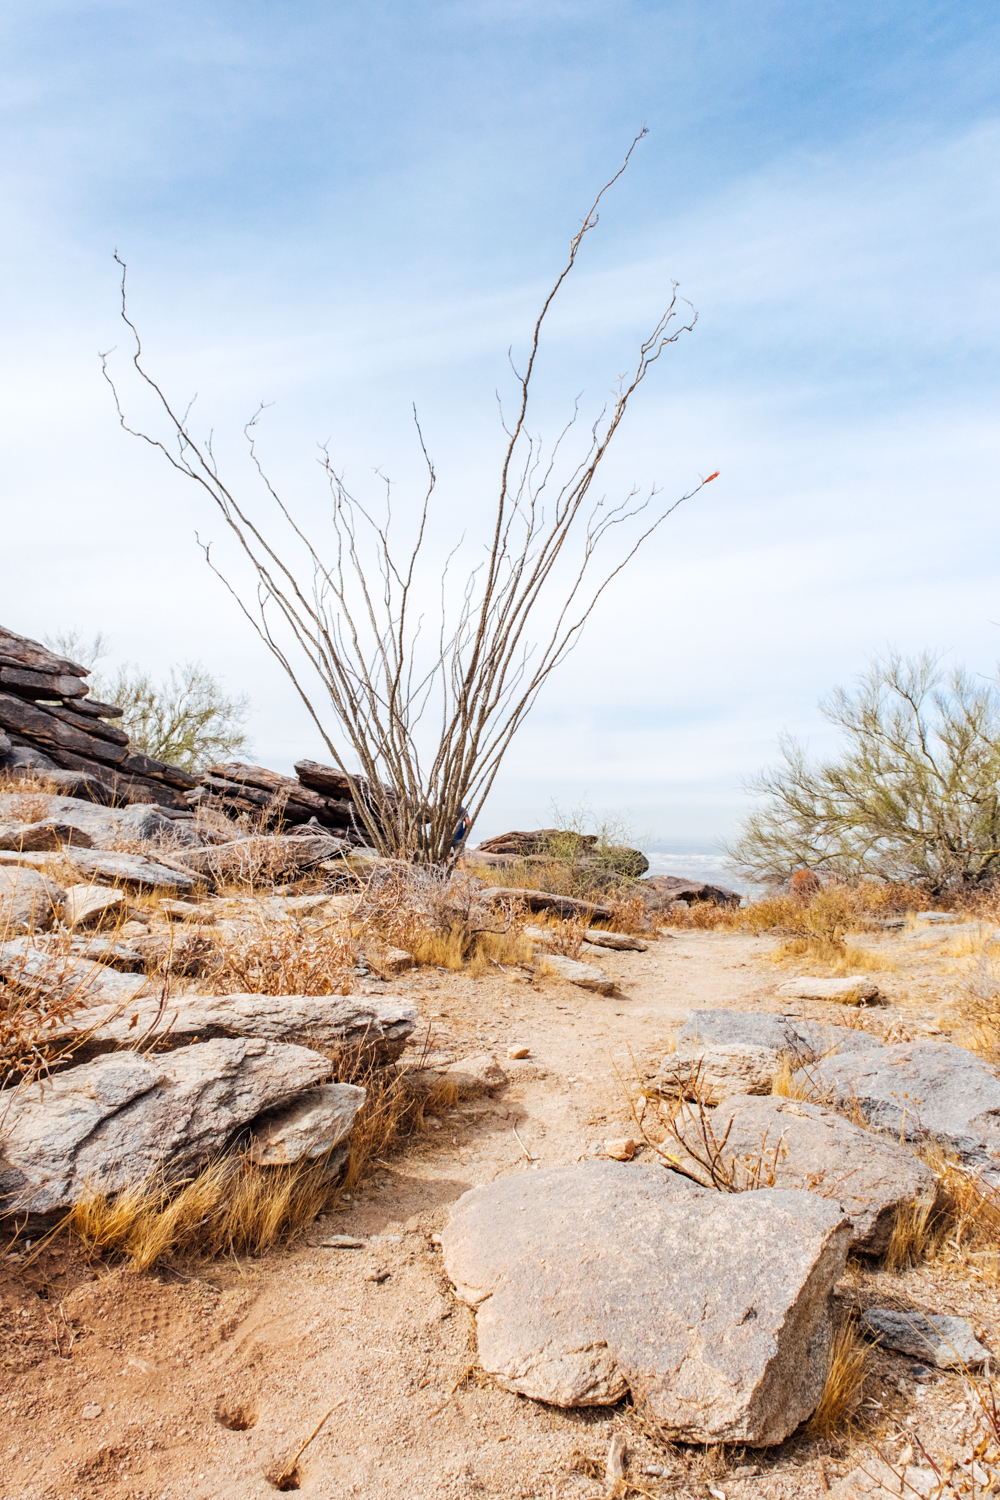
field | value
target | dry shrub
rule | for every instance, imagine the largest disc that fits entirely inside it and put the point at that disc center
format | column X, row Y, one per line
column 282, row 958
column 981, row 1007
column 832, row 954
column 838, row 907
column 439, row 917
column 847, row 1366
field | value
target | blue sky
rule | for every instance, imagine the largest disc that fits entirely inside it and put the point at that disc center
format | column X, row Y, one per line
column 341, row 209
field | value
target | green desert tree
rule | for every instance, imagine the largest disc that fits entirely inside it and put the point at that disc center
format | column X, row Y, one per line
column 186, row 720
column 912, row 795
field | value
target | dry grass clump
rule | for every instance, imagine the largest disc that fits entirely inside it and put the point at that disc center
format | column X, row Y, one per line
column 231, row 1207
column 282, row 958
column 981, row 1006
column 440, row 918
column 847, row 1367
column 831, row 954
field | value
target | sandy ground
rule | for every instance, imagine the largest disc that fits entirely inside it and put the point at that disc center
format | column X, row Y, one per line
column 201, row 1383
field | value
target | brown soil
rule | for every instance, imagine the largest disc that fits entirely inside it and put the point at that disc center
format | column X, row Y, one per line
column 201, row 1382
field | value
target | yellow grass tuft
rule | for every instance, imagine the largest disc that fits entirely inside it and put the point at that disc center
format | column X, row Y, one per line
column 846, row 1369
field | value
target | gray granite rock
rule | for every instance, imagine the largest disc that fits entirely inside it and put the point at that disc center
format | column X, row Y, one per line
column 125, row 1117
column 598, row 1278
column 27, row 900
column 310, row 1126
column 923, row 1091
column 104, row 827
column 587, row 976
column 713, row 1072
column 34, row 970
column 946, row 1342
column 806, row 1146
column 854, row 989
column 379, row 1027
column 129, row 869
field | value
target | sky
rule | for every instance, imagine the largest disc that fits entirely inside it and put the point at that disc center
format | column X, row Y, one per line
column 343, row 210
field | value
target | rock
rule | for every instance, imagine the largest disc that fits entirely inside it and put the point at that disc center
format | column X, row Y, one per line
column 661, row 891
column 856, row 989
column 125, row 1117
column 587, row 976
column 621, row 941
column 518, row 1052
column 130, row 869
column 188, row 953
column 35, row 971
column 187, row 911
column 713, row 1072
column 309, row 1126
column 47, row 834
column 620, row 1149
column 84, row 905
column 396, row 961
column 342, row 1242
column 564, row 906
column 91, row 1412
column 614, row 1467
column 923, row 1090
column 805, row 1040
column 806, row 1146
column 586, row 1285
column 475, row 1075
column 273, row 855
column 935, row 917
column 515, row 845
column 105, row 827
column 375, row 1026
column 948, row 1343
column 876, row 1480
column 27, row 900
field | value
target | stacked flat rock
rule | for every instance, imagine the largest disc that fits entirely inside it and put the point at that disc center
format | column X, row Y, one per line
column 317, row 794
column 49, row 723
column 518, row 845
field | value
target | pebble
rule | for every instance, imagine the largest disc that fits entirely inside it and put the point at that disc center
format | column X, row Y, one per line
column 91, row 1412
column 341, row 1242
column 518, row 1051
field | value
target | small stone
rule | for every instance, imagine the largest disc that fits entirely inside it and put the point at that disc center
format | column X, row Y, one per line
column 341, row 1242
column 91, row 1412
column 614, row 1467
column 518, row 1052
column 948, row 1343
column 396, row 960
column 587, row 976
column 187, row 911
column 620, row 1149
column 88, row 904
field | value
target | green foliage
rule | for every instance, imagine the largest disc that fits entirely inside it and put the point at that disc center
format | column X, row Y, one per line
column 607, row 847
column 186, row 720
column 913, row 796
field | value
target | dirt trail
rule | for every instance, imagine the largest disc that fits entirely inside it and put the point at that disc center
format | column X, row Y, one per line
column 198, row 1384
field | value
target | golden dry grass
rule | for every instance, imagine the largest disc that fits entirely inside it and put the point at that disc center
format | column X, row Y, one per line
column 831, row 954
column 281, row 958
column 847, row 1366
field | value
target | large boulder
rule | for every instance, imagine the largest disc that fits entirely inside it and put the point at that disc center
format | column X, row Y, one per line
column 592, row 1280
column 374, row 1025
column 923, row 1091
column 805, row 1146
column 271, row 855
column 27, row 900
column 100, row 827
column 125, row 1117
column 129, row 869
column 723, row 1052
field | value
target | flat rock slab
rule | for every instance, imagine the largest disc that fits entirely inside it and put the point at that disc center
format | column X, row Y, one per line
column 806, row 1146
column 587, row 976
column 922, row 1091
column 27, row 900
column 622, row 942
column 280, row 853
column 88, row 904
column 309, row 1127
column 50, row 834
column 377, row 1027
column 65, row 977
column 723, row 1052
column 948, row 1343
column 104, row 827
column 599, row 1278
column 855, row 989
column 121, row 1119
column 128, row 869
